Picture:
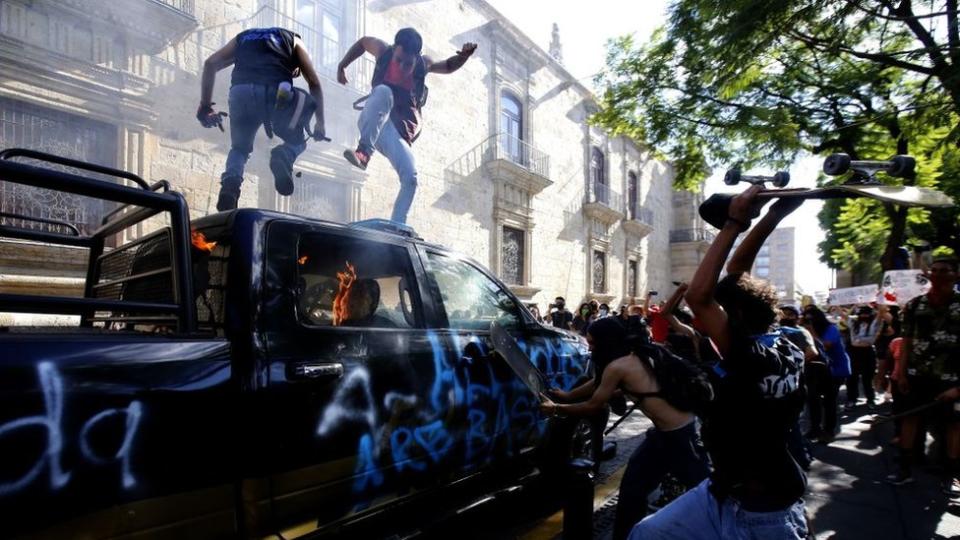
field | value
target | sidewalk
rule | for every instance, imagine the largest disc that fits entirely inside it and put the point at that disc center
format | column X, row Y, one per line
column 849, row 499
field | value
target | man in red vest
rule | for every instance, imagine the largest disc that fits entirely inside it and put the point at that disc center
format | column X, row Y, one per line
column 398, row 93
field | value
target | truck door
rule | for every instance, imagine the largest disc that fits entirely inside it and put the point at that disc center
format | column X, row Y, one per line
column 354, row 412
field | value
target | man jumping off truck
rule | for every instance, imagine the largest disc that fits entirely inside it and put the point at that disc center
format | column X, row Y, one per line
column 398, row 93
column 265, row 62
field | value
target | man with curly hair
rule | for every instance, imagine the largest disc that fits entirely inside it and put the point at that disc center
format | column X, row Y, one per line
column 931, row 370
column 756, row 488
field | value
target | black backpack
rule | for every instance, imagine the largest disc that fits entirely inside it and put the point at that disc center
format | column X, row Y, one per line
column 682, row 384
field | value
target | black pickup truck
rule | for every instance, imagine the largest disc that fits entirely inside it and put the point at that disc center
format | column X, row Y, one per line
column 254, row 373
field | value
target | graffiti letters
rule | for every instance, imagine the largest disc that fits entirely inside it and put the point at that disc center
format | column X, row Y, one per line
column 51, row 385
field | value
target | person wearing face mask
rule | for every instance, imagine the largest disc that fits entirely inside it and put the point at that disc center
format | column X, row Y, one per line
column 390, row 120
column 559, row 315
column 671, row 446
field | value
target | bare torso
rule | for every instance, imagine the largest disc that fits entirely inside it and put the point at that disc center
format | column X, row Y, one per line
column 639, row 380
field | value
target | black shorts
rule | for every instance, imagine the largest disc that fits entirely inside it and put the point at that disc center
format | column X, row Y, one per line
column 923, row 390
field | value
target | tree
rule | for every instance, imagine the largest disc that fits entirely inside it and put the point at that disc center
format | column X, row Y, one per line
column 758, row 82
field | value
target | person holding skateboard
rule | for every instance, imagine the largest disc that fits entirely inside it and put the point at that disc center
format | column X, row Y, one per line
column 672, row 445
column 265, row 62
column 756, row 487
column 390, row 120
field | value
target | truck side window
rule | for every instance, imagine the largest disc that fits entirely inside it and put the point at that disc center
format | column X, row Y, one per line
column 471, row 299
column 352, row 282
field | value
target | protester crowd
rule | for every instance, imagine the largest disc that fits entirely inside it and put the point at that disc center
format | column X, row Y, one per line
column 725, row 372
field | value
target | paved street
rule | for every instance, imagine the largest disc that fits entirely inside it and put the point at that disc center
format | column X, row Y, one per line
column 847, row 498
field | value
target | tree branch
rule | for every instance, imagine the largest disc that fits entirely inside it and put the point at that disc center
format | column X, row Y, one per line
column 881, row 58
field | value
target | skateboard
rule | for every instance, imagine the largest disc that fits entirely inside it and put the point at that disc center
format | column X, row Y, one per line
column 519, row 362
column 714, row 209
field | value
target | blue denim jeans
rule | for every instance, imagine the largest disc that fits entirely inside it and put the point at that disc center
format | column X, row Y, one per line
column 249, row 105
column 377, row 132
column 696, row 515
column 678, row 452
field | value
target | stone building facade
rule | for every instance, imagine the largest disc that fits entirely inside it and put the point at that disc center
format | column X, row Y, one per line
column 510, row 171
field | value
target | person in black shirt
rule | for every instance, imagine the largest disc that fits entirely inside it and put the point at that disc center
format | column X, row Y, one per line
column 264, row 60
column 561, row 316
column 756, row 488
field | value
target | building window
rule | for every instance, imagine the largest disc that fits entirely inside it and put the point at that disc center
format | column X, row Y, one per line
column 511, row 124
column 512, row 256
column 23, row 125
column 598, row 176
column 632, row 195
column 599, row 272
column 318, row 197
column 320, row 24
column 632, row 278
column 763, row 272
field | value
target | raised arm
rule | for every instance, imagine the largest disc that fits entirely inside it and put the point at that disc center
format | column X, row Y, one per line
column 453, row 63
column 746, row 253
column 700, row 294
column 369, row 44
column 670, row 306
column 313, row 82
column 612, row 376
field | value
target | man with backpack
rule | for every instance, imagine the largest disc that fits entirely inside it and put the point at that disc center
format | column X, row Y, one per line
column 666, row 389
column 756, row 487
column 265, row 62
column 390, row 120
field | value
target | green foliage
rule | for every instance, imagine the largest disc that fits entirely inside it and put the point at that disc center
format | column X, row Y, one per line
column 757, row 82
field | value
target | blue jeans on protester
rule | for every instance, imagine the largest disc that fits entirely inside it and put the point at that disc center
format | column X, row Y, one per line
column 249, row 105
column 698, row 515
column 678, row 452
column 377, row 132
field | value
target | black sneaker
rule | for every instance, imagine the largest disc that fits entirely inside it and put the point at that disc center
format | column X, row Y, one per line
column 358, row 158
column 281, row 165
column 228, row 199
column 900, row 478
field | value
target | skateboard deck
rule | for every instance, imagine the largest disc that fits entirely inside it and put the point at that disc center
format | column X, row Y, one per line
column 714, row 209
column 518, row 361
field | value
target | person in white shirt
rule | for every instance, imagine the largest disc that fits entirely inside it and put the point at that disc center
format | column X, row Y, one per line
column 864, row 330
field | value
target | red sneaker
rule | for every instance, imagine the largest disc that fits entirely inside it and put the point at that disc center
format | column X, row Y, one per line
column 357, row 158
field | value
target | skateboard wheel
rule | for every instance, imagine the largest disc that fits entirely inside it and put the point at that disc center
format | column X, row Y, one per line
column 836, row 164
column 902, row 166
column 781, row 179
column 732, row 177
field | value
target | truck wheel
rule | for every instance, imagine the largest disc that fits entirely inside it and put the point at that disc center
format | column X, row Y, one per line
column 902, row 166
column 732, row 177
column 781, row 179
column 836, row 164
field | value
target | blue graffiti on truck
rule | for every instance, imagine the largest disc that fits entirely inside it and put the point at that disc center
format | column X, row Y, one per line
column 51, row 421
column 408, row 436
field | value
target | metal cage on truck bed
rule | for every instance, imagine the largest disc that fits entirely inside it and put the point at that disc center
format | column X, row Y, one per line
column 146, row 281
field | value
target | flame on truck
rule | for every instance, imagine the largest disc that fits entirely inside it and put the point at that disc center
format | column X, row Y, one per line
column 200, row 242
column 346, row 279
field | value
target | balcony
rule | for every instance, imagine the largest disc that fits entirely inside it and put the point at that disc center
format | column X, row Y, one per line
column 602, row 204
column 639, row 220
column 515, row 161
column 183, row 7
column 692, row 235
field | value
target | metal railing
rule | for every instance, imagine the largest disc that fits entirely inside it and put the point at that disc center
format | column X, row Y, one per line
column 636, row 212
column 602, row 194
column 187, row 7
column 507, row 147
column 324, row 51
column 692, row 235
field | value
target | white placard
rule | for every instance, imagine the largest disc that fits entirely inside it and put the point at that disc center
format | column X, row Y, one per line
column 853, row 295
column 899, row 286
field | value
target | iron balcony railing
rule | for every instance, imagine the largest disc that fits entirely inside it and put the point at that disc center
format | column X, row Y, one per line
column 692, row 235
column 520, row 152
column 636, row 212
column 602, row 194
column 187, row 7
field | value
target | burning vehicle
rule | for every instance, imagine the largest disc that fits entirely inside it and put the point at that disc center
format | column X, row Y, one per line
column 255, row 373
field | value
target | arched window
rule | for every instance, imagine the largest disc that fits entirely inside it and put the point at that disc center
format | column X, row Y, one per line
column 511, row 123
